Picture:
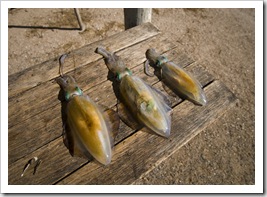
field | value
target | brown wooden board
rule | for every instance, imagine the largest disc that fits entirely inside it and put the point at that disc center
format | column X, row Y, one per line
column 142, row 151
column 36, row 110
column 38, row 74
column 54, row 150
column 35, row 124
column 42, row 97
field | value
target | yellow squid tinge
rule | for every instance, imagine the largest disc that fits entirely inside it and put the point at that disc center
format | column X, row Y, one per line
column 88, row 128
column 143, row 102
column 179, row 80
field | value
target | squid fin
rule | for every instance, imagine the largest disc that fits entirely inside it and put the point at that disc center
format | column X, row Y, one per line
column 113, row 120
column 127, row 118
column 168, row 90
column 163, row 98
column 73, row 145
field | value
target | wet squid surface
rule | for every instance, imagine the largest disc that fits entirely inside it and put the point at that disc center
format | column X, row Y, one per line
column 183, row 83
column 86, row 127
column 140, row 99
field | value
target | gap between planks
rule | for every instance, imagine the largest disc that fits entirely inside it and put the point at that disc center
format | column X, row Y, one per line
column 31, row 102
column 31, row 77
column 47, row 120
column 58, row 150
column 142, row 151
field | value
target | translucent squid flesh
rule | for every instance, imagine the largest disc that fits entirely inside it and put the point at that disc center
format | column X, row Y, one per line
column 141, row 100
column 86, row 122
column 179, row 80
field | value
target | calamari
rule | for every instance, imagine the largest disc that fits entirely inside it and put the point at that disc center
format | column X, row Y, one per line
column 140, row 99
column 178, row 79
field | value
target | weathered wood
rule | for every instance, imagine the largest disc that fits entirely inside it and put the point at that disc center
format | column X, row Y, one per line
column 53, row 174
column 40, row 98
column 35, row 124
column 142, row 151
column 51, row 155
column 44, row 124
column 136, row 16
column 48, row 70
column 32, row 112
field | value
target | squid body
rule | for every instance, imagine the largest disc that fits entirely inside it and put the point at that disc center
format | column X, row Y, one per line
column 86, row 122
column 145, row 104
column 180, row 81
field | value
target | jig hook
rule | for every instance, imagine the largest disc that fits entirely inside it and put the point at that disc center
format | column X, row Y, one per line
column 61, row 62
column 147, row 72
column 30, row 162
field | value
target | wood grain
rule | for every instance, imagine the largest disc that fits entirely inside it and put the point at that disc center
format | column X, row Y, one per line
column 35, row 122
column 61, row 151
column 36, row 75
column 142, row 151
column 46, row 125
column 33, row 101
column 34, row 115
column 37, row 110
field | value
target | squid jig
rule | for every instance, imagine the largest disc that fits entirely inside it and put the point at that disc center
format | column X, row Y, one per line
column 179, row 80
column 142, row 101
column 86, row 123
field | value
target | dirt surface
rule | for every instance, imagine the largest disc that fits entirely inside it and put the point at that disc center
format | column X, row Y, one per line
column 223, row 39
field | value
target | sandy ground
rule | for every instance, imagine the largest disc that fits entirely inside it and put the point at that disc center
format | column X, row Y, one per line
column 223, row 38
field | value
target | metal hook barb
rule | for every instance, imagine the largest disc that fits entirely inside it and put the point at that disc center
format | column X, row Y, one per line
column 147, row 72
column 61, row 62
column 30, row 162
column 36, row 166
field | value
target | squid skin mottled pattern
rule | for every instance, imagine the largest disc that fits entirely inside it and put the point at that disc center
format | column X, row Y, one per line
column 183, row 83
column 89, row 129
column 142, row 101
column 178, row 79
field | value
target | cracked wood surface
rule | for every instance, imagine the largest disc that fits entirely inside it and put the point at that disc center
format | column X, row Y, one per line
column 35, row 124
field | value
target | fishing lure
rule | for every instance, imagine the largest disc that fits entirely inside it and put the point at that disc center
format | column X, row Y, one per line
column 180, row 81
column 142, row 101
column 86, row 122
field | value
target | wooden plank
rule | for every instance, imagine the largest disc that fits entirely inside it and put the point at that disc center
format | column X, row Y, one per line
column 142, row 151
column 56, row 163
column 196, row 69
column 48, row 70
column 67, row 164
column 50, row 160
column 42, row 97
column 33, row 113
column 44, row 127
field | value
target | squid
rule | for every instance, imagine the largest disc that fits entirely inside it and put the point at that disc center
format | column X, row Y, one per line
column 88, row 127
column 144, row 103
column 176, row 78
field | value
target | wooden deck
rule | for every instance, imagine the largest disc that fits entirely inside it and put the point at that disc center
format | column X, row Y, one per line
column 35, row 124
